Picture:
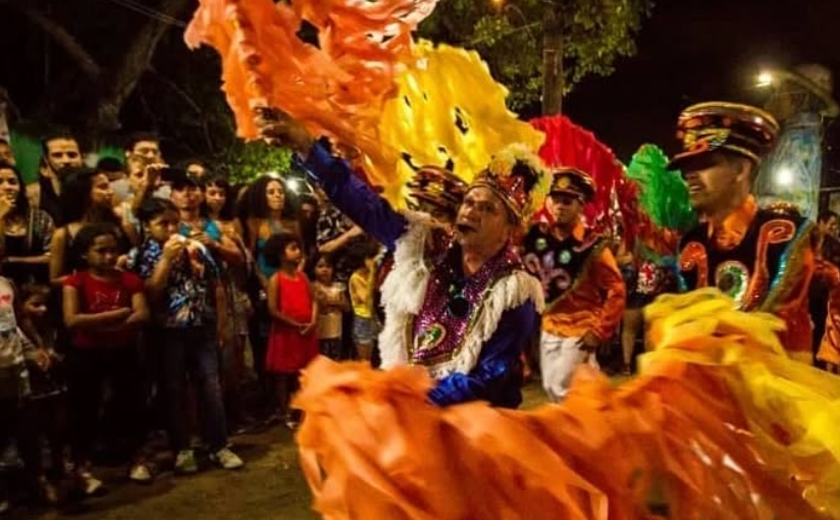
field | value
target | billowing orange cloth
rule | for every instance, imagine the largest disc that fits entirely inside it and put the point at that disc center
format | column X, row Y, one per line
column 594, row 303
column 391, row 104
column 720, row 421
column 337, row 90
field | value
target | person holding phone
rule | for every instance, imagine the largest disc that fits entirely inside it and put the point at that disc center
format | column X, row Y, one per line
column 145, row 166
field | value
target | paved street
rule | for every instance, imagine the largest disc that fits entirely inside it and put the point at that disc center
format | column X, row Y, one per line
column 270, row 487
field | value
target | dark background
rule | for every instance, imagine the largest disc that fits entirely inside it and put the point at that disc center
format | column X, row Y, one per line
column 700, row 50
column 688, row 51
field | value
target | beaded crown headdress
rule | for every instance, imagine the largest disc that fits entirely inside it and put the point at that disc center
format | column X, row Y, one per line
column 519, row 178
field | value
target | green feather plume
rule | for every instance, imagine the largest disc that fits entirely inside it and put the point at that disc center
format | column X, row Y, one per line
column 663, row 194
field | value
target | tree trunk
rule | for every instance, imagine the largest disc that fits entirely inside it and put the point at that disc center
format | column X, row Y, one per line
column 134, row 63
column 552, row 94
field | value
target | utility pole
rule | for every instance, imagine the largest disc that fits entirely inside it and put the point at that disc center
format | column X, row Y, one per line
column 552, row 94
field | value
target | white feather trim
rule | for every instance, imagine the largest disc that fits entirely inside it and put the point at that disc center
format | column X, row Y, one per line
column 404, row 291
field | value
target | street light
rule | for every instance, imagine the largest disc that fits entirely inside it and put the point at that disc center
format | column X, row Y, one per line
column 765, row 79
column 784, row 176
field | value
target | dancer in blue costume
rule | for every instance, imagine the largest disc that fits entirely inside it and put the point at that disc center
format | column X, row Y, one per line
column 462, row 308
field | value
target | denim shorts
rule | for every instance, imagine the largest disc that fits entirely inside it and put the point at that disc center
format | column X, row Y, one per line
column 364, row 330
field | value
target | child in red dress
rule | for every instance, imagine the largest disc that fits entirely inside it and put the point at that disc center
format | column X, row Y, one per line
column 293, row 341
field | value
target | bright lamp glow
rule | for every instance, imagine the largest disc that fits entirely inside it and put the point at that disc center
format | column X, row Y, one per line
column 293, row 185
column 784, row 176
column 765, row 79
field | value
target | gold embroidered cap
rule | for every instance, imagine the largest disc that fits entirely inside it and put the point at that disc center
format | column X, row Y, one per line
column 742, row 129
column 574, row 182
column 437, row 186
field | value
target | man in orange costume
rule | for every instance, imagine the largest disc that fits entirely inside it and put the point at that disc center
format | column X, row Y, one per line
column 763, row 258
column 583, row 288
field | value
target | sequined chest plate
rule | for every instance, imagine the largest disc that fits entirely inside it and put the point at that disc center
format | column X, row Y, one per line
column 451, row 306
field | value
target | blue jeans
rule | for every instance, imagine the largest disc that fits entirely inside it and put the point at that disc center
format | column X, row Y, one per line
column 194, row 352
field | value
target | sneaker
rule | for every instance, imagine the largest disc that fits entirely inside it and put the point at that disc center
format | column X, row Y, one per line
column 48, row 492
column 88, row 484
column 227, row 459
column 140, row 473
column 185, row 462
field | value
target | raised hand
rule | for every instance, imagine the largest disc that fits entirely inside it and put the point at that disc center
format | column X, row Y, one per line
column 278, row 128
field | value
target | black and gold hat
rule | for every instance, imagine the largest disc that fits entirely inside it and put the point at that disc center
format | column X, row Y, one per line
column 741, row 129
column 574, row 182
column 437, row 186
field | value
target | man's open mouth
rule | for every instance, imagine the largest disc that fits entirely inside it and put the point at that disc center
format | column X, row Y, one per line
column 464, row 228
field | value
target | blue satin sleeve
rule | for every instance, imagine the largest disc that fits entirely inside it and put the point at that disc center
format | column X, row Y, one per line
column 498, row 376
column 353, row 197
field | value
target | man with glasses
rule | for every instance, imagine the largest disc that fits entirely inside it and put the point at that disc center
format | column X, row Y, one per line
column 583, row 288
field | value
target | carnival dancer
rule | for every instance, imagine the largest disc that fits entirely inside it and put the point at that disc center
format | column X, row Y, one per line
column 583, row 287
column 763, row 258
column 462, row 309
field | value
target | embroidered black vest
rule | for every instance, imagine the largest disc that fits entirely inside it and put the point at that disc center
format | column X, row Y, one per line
column 558, row 263
column 748, row 271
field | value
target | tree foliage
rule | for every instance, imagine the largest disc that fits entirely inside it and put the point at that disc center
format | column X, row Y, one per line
column 120, row 71
column 509, row 37
column 113, row 70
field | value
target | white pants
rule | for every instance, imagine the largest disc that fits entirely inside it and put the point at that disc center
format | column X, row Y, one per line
column 559, row 357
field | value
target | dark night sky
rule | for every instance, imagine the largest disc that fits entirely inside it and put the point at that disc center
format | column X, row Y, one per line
column 688, row 51
column 700, row 50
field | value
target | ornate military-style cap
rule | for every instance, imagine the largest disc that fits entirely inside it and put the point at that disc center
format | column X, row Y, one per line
column 437, row 186
column 518, row 177
column 741, row 129
column 574, row 182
